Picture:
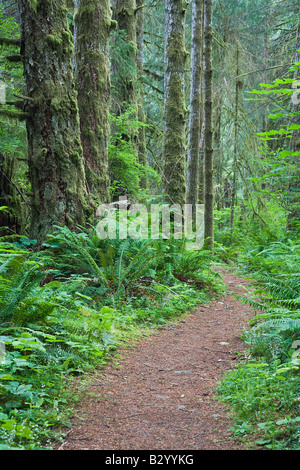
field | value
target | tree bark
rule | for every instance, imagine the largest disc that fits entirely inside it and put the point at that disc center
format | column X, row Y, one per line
column 209, row 184
column 174, row 102
column 196, row 116
column 235, row 150
column 218, row 151
column 93, row 25
column 201, row 181
column 293, row 219
column 125, row 14
column 142, row 151
column 56, row 167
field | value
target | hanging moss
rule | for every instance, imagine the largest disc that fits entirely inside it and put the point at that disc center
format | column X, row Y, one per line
column 34, row 4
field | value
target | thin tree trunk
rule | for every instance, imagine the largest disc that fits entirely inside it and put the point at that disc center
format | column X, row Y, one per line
column 209, row 184
column 142, row 151
column 174, row 101
column 266, row 60
column 93, row 25
column 218, row 151
column 192, row 178
column 293, row 220
column 125, row 92
column 56, row 166
column 201, row 181
column 235, row 151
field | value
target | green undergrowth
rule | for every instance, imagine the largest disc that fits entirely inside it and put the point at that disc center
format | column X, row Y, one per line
column 264, row 390
column 68, row 308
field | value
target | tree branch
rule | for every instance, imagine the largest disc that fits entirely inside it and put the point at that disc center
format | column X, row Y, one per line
column 22, row 97
column 14, row 58
column 9, row 42
column 20, row 116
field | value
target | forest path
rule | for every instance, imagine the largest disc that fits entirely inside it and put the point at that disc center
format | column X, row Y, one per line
column 162, row 396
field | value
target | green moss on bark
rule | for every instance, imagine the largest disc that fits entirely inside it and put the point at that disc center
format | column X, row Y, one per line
column 142, row 151
column 125, row 89
column 56, row 167
column 209, row 182
column 196, row 106
column 93, row 26
column 174, row 102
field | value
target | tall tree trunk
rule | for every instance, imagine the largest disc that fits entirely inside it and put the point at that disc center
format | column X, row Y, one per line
column 209, row 184
column 56, row 166
column 93, row 25
column 266, row 62
column 174, row 101
column 195, row 123
column 201, row 179
column 142, row 151
column 293, row 220
column 235, row 150
column 218, row 150
column 125, row 13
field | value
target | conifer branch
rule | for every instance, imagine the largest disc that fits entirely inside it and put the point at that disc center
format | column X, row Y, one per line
column 9, row 41
column 19, row 115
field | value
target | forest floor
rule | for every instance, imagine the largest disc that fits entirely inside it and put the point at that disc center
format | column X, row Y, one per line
column 162, row 392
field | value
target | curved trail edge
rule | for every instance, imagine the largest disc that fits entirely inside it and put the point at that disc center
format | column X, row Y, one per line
column 162, row 396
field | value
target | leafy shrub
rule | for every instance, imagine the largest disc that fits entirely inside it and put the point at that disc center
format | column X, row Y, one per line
column 64, row 308
column 265, row 401
column 264, row 390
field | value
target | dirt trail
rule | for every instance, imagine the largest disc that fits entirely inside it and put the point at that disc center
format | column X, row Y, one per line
column 162, row 395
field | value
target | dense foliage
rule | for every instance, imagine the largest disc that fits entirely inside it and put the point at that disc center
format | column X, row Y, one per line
column 65, row 308
column 264, row 389
column 68, row 299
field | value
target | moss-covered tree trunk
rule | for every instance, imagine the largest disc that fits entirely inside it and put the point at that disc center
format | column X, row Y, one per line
column 195, row 121
column 293, row 220
column 218, row 150
column 125, row 91
column 235, row 150
column 142, row 151
column 56, row 166
column 209, row 183
column 174, row 101
column 93, row 25
column 201, row 181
